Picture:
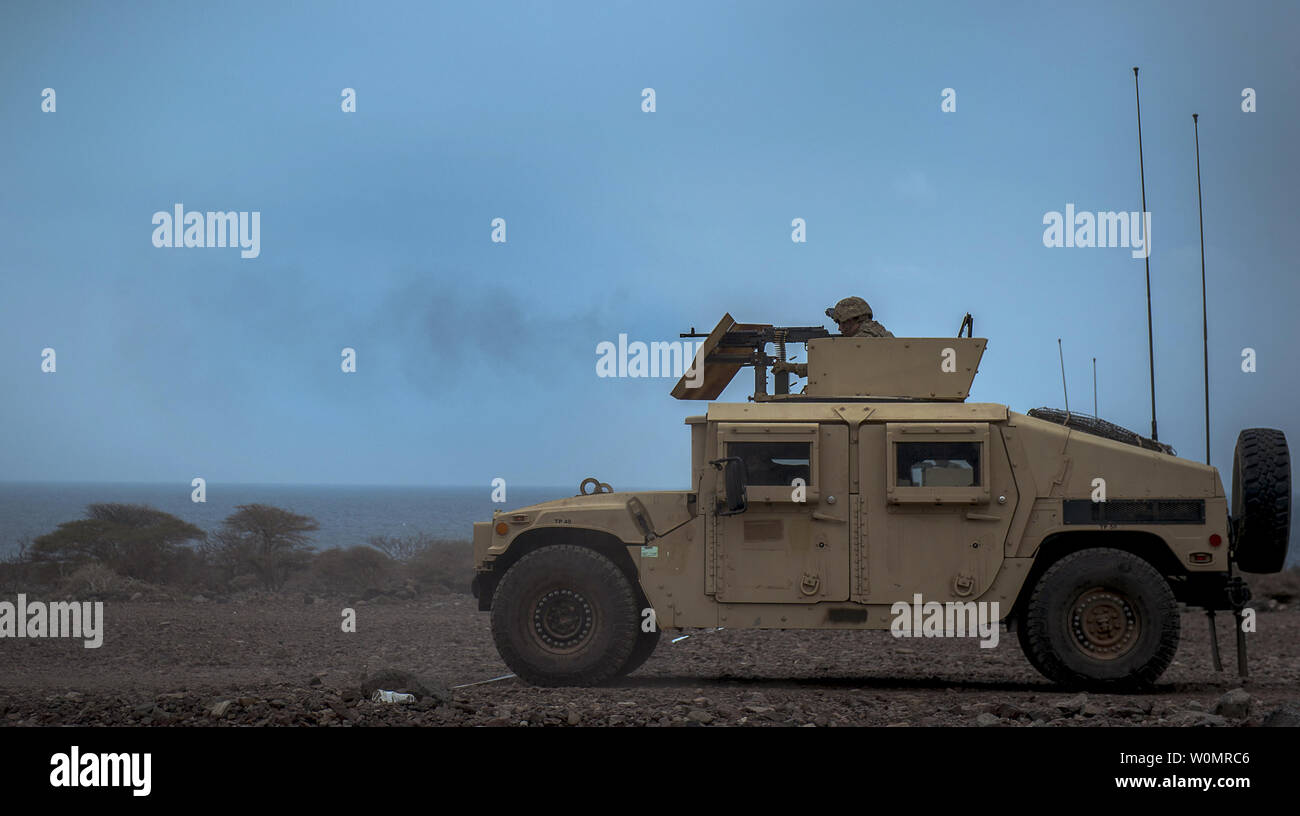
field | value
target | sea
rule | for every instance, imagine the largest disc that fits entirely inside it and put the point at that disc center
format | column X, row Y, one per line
column 348, row 515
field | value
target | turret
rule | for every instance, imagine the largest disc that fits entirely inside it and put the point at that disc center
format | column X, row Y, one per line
column 931, row 369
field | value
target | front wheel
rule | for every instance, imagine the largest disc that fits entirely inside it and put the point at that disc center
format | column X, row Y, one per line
column 565, row 616
column 1102, row 619
column 645, row 646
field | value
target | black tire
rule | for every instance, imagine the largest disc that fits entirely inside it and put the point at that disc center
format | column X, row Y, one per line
column 1022, row 634
column 1102, row 619
column 565, row 616
column 645, row 646
column 1261, row 499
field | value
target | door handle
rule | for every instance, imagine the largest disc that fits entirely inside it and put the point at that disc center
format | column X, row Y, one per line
column 823, row 517
column 983, row 517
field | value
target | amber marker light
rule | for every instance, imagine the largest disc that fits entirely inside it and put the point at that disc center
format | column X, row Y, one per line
column 502, row 528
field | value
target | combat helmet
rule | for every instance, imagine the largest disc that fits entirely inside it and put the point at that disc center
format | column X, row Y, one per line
column 848, row 309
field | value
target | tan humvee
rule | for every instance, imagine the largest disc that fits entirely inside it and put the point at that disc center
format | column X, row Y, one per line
column 877, row 484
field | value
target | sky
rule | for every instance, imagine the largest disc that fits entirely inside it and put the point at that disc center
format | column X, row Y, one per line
column 476, row 359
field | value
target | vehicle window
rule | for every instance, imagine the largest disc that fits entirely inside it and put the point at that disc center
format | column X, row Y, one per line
column 938, row 464
column 774, row 463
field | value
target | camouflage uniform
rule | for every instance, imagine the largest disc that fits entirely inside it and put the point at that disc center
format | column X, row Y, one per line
column 871, row 328
column 855, row 307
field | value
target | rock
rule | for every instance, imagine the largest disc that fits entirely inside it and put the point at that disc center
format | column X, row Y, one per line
column 199, row 599
column 144, row 708
column 314, row 681
column 1195, row 719
column 1234, row 704
column 1092, row 709
column 986, row 720
column 1009, row 712
column 1285, row 715
column 1073, row 705
column 574, row 717
column 220, row 709
column 1195, row 705
column 137, row 596
column 700, row 716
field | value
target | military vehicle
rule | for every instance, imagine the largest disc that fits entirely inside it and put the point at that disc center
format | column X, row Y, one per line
column 876, row 484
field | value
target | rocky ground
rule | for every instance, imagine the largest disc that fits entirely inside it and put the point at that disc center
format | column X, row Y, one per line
column 282, row 662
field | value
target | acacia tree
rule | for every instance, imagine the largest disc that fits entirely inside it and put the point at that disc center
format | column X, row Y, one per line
column 135, row 540
column 269, row 542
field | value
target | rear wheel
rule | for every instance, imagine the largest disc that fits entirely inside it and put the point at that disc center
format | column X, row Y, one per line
column 565, row 616
column 1103, row 619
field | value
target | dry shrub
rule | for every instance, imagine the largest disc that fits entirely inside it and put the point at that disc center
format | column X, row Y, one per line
column 96, row 582
column 442, row 566
column 354, row 571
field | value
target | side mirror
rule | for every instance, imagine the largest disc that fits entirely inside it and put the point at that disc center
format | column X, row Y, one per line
column 736, row 476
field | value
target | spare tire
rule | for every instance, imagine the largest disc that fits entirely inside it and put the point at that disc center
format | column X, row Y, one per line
column 1261, row 499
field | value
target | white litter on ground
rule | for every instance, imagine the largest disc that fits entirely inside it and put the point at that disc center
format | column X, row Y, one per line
column 684, row 637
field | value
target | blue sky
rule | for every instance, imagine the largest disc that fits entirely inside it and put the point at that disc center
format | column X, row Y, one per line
column 477, row 359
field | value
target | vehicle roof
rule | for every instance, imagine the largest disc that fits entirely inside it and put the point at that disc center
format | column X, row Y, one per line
column 855, row 411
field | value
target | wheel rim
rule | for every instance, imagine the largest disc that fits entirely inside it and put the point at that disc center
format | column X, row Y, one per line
column 1104, row 623
column 563, row 620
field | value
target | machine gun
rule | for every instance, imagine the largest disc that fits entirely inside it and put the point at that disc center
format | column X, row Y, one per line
column 745, row 344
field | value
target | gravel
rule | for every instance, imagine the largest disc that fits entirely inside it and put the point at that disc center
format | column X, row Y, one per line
column 277, row 662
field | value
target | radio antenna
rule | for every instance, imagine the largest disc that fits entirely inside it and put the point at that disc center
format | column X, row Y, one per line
column 1095, row 415
column 1151, row 354
column 1205, row 325
column 1063, row 388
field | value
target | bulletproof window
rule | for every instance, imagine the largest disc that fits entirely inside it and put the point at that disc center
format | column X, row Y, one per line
column 938, row 464
column 774, row 463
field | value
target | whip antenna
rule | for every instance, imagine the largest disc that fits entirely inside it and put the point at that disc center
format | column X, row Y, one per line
column 1205, row 325
column 1063, row 388
column 1151, row 355
column 1094, row 389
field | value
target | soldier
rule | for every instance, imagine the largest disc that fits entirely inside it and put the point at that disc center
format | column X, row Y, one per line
column 853, row 314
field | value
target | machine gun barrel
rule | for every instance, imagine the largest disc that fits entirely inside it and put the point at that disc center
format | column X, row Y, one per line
column 759, row 337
